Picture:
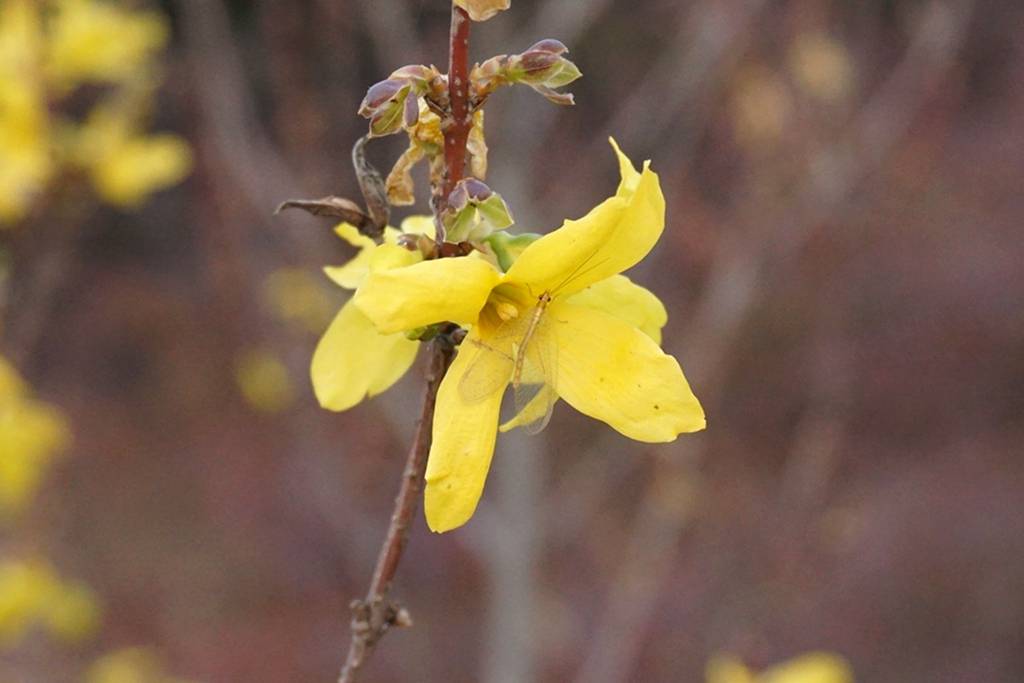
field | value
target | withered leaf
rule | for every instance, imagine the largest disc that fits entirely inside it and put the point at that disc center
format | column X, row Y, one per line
column 371, row 184
column 477, row 146
column 482, row 10
column 334, row 207
column 400, row 184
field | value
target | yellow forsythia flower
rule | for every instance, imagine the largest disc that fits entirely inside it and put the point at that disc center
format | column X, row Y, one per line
column 32, row 595
column 531, row 328
column 814, row 667
column 298, row 296
column 31, row 435
column 99, row 41
column 131, row 665
column 26, row 161
column 264, row 382
column 47, row 49
column 353, row 360
column 126, row 166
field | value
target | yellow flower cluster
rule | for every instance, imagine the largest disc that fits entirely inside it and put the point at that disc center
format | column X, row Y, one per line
column 814, row 667
column 560, row 322
column 32, row 595
column 31, row 435
column 48, row 50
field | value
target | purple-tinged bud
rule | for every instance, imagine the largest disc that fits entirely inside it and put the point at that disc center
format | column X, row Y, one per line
column 388, row 118
column 476, row 189
column 416, row 72
column 536, row 64
column 549, row 45
column 412, row 111
column 379, row 94
column 474, row 211
column 566, row 99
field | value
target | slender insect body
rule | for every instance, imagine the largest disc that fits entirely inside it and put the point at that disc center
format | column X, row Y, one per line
column 542, row 304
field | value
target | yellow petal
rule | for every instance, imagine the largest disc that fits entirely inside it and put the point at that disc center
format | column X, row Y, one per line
column 611, row 371
column 390, row 255
column 353, row 360
column 351, row 234
column 627, row 301
column 352, row 274
column 429, row 292
column 630, row 177
column 613, row 237
column 815, row 667
column 371, row 256
column 463, row 444
column 419, row 225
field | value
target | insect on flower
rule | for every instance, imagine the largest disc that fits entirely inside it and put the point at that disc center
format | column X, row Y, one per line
column 525, row 348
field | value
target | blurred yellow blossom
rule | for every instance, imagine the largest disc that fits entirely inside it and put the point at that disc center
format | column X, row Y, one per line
column 31, row 435
column 100, row 41
column 761, row 107
column 822, row 66
column 264, row 382
column 32, row 595
column 296, row 295
column 131, row 665
column 814, row 667
column 25, row 157
column 47, row 49
column 126, row 166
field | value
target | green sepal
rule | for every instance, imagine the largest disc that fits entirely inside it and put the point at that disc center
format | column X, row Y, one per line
column 507, row 248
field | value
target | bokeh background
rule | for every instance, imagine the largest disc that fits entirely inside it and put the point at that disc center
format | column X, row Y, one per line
column 842, row 265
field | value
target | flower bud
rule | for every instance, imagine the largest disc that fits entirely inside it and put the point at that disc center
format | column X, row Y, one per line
column 474, row 212
column 549, row 45
column 394, row 103
column 542, row 67
column 378, row 95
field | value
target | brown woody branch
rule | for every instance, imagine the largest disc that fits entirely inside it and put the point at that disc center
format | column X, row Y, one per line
column 374, row 616
column 456, row 130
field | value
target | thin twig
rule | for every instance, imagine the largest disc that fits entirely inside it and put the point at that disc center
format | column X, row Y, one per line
column 373, row 616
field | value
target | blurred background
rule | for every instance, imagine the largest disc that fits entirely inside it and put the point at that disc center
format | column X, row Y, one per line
column 842, row 265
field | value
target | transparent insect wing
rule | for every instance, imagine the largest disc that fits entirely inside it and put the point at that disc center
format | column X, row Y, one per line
column 490, row 368
column 535, row 394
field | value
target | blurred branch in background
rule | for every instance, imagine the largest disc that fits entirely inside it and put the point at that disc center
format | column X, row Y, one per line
column 735, row 286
